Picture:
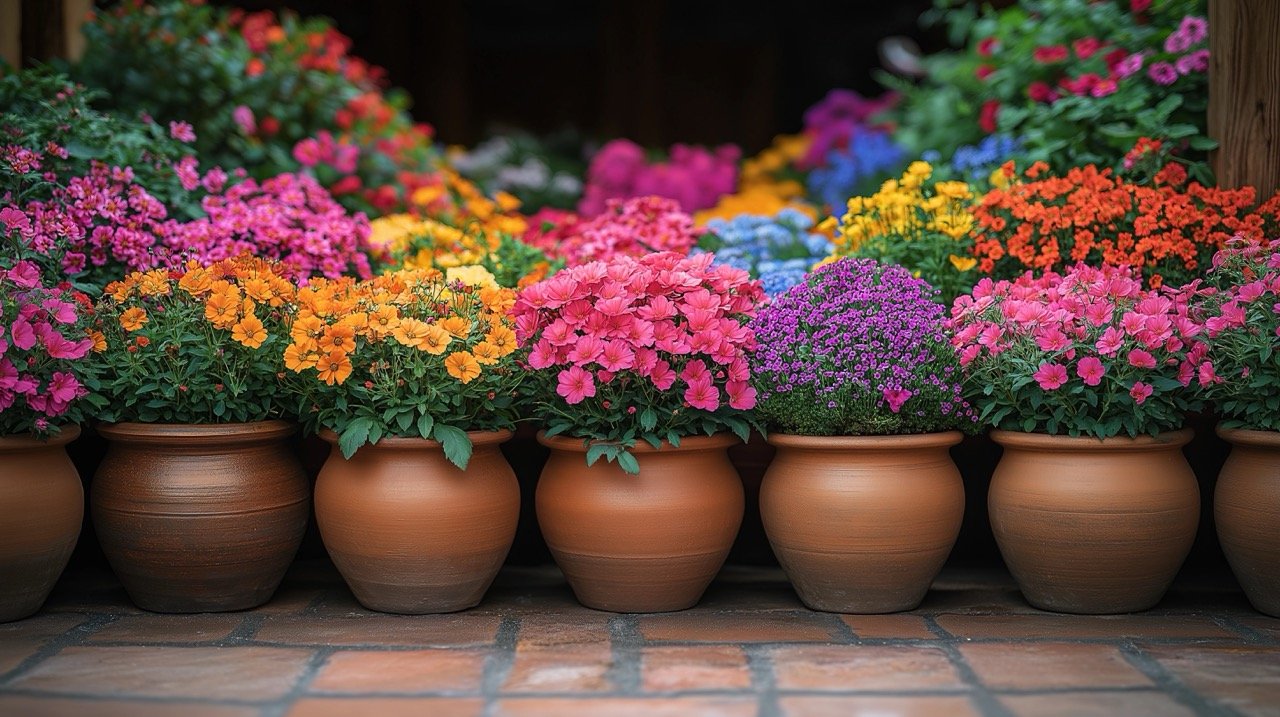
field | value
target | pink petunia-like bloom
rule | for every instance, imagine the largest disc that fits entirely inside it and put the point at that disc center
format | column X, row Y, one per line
column 742, row 395
column 242, row 115
column 182, row 131
column 896, row 397
column 1162, row 73
column 1141, row 359
column 1050, row 376
column 1141, row 392
column 1091, row 370
column 575, row 385
column 703, row 394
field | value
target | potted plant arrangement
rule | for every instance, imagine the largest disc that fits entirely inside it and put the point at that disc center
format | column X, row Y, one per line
column 199, row 504
column 45, row 378
column 861, row 391
column 412, row 376
column 641, row 362
column 1242, row 378
column 1083, row 376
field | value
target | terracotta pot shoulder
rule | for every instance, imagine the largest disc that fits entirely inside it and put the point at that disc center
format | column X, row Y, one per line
column 689, row 443
column 25, row 443
column 478, row 438
column 188, row 433
column 1049, row 442
column 1250, row 437
column 903, row 441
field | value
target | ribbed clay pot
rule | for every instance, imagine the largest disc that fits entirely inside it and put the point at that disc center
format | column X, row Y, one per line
column 1093, row 526
column 640, row 543
column 41, row 506
column 200, row 518
column 409, row 531
column 1246, row 509
column 862, row 524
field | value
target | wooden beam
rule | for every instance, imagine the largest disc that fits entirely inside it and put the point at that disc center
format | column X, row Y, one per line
column 43, row 31
column 1244, row 93
column 10, row 32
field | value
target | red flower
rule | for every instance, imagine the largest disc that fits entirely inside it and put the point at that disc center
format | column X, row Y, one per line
column 1050, row 54
column 983, row 71
column 1040, row 92
column 987, row 46
column 987, row 117
column 1138, row 6
column 269, row 125
column 346, row 185
column 1081, row 85
column 1085, row 47
column 1115, row 57
column 254, row 67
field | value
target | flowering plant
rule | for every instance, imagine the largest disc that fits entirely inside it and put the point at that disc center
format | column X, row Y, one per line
column 1167, row 230
column 923, row 228
column 777, row 250
column 407, row 353
column 1077, row 81
column 540, row 173
column 1243, row 325
column 1089, row 352
column 858, row 348
column 634, row 227
column 406, row 241
column 693, row 176
column 198, row 345
column 868, row 159
column 650, row 349
column 47, row 376
column 836, row 120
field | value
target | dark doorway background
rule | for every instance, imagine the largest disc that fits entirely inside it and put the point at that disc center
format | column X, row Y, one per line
column 654, row 71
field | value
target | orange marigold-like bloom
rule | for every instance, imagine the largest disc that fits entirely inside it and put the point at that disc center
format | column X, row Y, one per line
column 333, row 367
column 462, row 366
column 249, row 331
column 133, row 319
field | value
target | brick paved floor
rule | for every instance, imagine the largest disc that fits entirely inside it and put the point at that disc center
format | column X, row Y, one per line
column 750, row 648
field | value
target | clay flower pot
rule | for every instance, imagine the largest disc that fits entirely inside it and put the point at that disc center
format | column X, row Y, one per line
column 41, row 506
column 200, row 518
column 862, row 524
column 1246, row 509
column 1093, row 526
column 640, row 543
column 409, row 531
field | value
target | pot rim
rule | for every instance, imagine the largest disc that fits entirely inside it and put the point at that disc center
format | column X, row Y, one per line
column 687, row 443
column 1249, row 436
column 1048, row 442
column 478, row 438
column 65, row 435
column 897, row 441
column 187, row 433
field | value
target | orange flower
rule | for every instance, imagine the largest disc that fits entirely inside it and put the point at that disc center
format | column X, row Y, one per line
column 99, row 341
column 249, row 331
column 462, row 366
column 306, row 331
column 196, row 282
column 333, row 367
column 258, row 289
column 154, row 283
column 383, row 321
column 133, row 319
column 339, row 337
column 457, row 326
column 297, row 358
column 503, row 339
column 222, row 309
column 122, row 290
column 486, row 353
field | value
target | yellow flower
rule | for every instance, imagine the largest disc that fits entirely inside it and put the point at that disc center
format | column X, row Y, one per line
column 133, row 319
column 249, row 331
column 462, row 366
column 963, row 264
column 507, row 202
column 99, row 341
column 472, row 275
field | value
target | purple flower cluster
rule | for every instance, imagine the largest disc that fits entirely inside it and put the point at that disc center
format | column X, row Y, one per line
column 859, row 348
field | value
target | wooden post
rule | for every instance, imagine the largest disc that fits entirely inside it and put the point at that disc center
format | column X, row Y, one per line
column 43, row 30
column 1244, row 93
column 10, row 32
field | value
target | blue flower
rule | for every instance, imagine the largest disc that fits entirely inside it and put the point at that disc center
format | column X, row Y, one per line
column 778, row 250
column 976, row 162
column 870, row 158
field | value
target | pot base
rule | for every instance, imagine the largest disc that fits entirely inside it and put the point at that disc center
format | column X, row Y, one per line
column 639, row 585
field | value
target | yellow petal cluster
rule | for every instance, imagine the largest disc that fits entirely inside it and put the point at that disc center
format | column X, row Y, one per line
column 908, row 209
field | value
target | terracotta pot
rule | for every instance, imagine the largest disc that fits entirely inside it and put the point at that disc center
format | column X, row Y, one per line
column 1246, row 509
column 41, row 506
column 1093, row 526
column 640, row 543
column 862, row 524
column 409, row 531
column 200, row 518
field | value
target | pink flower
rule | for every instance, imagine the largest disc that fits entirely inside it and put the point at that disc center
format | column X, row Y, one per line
column 586, row 350
column 1111, row 341
column 543, row 355
column 1207, row 376
column 1141, row 359
column 188, row 175
column 25, row 275
column 243, row 117
column 64, row 388
column 1050, row 53
column 662, row 375
column 742, row 395
column 182, row 132
column 895, row 397
column 22, row 334
column 307, row 152
column 1091, row 370
column 576, row 384
column 1162, row 73
column 1050, row 376
column 617, row 356
column 703, row 394
column 1141, row 392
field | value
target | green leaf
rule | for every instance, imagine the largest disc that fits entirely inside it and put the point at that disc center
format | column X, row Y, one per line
column 425, row 423
column 648, row 420
column 457, row 447
column 595, row 452
column 405, row 420
column 628, row 463
column 356, row 434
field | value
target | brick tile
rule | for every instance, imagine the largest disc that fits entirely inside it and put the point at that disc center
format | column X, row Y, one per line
column 876, row 707
column 890, row 627
column 697, row 626
column 863, row 667
column 564, row 628
column 1244, row 677
column 169, row 628
column 415, row 671
column 19, row 640
column 457, row 629
column 629, row 707
column 560, row 668
column 62, row 707
column 727, row 595
column 247, row 673
column 1096, row 704
column 291, row 600
column 1082, row 626
column 710, row 667
column 388, row 707
column 1024, row 666
column 977, row 601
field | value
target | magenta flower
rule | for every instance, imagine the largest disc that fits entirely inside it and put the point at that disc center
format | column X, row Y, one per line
column 1141, row 359
column 1091, row 370
column 182, row 131
column 1141, row 392
column 895, row 397
column 1050, row 376
column 702, row 394
column 244, row 119
column 742, row 395
column 575, row 385
column 1162, row 73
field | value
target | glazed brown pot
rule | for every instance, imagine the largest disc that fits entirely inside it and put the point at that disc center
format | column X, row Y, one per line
column 41, row 506
column 1246, row 509
column 200, row 518
column 862, row 524
column 409, row 531
column 1093, row 526
column 640, row 543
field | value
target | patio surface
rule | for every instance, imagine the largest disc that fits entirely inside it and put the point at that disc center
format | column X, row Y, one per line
column 750, row 648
